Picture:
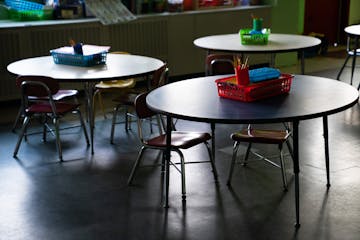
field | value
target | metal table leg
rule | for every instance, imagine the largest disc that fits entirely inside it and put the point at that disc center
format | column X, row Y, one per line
column 89, row 93
column 296, row 170
column 213, row 140
column 326, row 141
column 302, row 61
column 167, row 160
column 272, row 59
column 354, row 61
column 206, row 66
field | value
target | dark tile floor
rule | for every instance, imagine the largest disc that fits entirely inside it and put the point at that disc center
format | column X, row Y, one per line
column 86, row 196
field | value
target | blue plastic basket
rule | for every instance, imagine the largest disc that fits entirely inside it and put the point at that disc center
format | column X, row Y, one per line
column 78, row 59
column 22, row 5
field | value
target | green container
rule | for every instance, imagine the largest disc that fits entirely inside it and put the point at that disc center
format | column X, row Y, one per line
column 254, row 39
column 30, row 15
column 3, row 12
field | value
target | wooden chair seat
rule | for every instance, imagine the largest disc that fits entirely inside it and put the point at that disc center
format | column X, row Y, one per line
column 44, row 107
column 261, row 136
column 250, row 136
column 127, row 83
column 179, row 139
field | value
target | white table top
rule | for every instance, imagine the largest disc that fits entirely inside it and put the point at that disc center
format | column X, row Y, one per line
column 117, row 66
column 354, row 29
column 276, row 43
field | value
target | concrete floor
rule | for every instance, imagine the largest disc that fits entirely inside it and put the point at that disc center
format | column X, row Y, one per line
column 86, row 196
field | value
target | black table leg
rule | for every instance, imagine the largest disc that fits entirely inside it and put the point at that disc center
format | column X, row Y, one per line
column 302, row 59
column 326, row 141
column 213, row 140
column 167, row 160
column 296, row 170
column 354, row 59
column 206, row 65
column 89, row 93
column 272, row 60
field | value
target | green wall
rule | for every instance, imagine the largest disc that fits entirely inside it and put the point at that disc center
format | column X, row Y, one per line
column 354, row 14
column 287, row 17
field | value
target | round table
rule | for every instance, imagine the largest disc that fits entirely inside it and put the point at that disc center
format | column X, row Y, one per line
column 118, row 66
column 277, row 43
column 309, row 97
column 352, row 32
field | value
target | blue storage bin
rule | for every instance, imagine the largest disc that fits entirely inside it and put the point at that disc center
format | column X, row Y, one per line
column 78, row 59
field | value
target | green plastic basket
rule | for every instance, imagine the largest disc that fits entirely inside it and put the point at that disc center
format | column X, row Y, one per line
column 30, row 15
column 254, row 39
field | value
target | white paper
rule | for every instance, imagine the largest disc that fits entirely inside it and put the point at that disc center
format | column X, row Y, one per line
column 110, row 11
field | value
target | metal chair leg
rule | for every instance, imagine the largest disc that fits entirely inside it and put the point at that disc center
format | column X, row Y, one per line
column 116, row 109
column 57, row 136
column 25, row 135
column 83, row 127
column 136, row 165
column 343, row 66
column 44, row 123
column 46, row 127
column 247, row 154
column 282, row 165
column 17, row 119
column 353, row 65
column 163, row 162
column 183, row 183
column 211, row 161
column 97, row 94
column 127, row 119
column 21, row 135
column 101, row 103
column 235, row 150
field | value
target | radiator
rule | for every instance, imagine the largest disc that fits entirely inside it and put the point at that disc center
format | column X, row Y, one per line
column 146, row 37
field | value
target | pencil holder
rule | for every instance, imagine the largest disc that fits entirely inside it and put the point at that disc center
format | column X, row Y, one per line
column 242, row 75
column 257, row 24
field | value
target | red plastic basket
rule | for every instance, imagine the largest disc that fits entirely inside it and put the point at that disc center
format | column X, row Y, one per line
column 228, row 88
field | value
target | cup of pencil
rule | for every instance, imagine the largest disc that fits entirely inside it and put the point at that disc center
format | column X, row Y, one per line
column 241, row 71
